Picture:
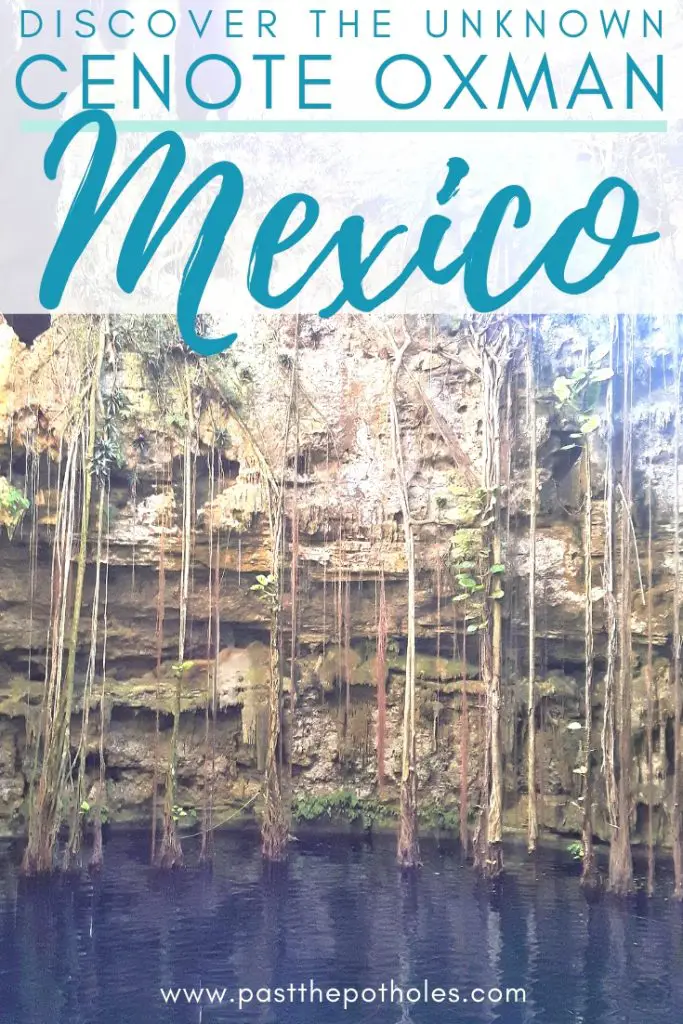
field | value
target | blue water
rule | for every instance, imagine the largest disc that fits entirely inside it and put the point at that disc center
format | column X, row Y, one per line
column 83, row 951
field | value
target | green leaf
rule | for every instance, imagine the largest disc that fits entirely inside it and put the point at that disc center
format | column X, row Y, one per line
column 603, row 374
column 460, row 597
column 580, row 373
column 497, row 595
column 473, row 627
column 181, row 667
column 498, row 567
column 85, row 806
column 562, row 389
column 590, row 424
column 466, row 581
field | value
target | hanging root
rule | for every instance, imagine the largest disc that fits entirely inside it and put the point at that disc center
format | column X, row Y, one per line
column 621, row 862
column 274, row 831
column 407, row 851
column 54, row 778
column 274, row 827
column 274, row 824
column 170, row 854
column 677, row 800
column 532, row 822
column 493, row 348
column 464, row 748
column 381, row 676
column 408, row 847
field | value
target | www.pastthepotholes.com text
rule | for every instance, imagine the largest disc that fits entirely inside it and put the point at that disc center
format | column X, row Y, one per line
column 308, row 992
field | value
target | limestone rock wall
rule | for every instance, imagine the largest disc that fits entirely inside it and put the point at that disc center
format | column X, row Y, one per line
column 342, row 496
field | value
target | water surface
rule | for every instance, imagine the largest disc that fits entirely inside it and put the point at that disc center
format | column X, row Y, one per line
column 84, row 951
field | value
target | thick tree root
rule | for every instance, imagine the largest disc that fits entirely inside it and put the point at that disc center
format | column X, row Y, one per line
column 408, row 847
column 170, row 853
column 274, row 838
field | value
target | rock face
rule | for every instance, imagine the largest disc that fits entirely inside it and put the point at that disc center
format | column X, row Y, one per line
column 323, row 433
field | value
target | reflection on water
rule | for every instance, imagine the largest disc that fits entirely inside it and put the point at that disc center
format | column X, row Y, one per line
column 84, row 951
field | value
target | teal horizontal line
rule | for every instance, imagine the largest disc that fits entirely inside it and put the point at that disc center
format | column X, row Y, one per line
column 374, row 127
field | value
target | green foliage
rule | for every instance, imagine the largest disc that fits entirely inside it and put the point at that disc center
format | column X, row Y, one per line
column 477, row 581
column 468, row 582
column 13, row 506
column 469, row 504
column 180, row 668
column 178, row 420
column 342, row 805
column 164, row 359
column 266, row 587
column 155, row 337
column 434, row 816
column 310, row 808
column 562, row 389
column 578, row 394
column 221, row 438
column 106, row 455
column 184, row 816
column 476, row 589
column 107, row 452
column 465, row 548
column 116, row 404
column 590, row 424
column 576, row 850
column 88, row 811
